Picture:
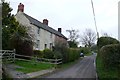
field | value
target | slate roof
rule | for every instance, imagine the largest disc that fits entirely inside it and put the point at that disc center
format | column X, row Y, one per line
column 43, row 26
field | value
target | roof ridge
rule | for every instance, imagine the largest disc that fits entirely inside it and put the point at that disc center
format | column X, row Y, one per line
column 43, row 26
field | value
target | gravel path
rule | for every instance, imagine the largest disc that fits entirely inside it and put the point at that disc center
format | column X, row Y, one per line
column 85, row 68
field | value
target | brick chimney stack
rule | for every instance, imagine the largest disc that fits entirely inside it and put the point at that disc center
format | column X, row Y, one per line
column 20, row 7
column 59, row 30
column 45, row 21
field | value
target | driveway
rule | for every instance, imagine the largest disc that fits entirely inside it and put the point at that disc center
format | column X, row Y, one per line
column 84, row 68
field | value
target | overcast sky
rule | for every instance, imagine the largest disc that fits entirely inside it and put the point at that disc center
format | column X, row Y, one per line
column 73, row 14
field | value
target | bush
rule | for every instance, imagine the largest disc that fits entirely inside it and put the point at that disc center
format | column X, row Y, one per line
column 57, row 55
column 110, row 55
column 73, row 54
column 38, row 53
column 47, row 53
column 102, row 41
column 85, row 50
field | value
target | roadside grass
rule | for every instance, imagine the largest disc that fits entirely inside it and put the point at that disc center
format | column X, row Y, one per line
column 30, row 66
column 109, row 73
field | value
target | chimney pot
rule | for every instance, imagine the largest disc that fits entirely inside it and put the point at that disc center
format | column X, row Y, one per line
column 20, row 7
column 59, row 30
column 45, row 21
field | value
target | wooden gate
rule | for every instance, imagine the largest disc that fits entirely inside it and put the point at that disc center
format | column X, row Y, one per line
column 7, row 55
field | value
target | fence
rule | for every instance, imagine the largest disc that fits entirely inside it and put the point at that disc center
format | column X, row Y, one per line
column 10, row 56
column 43, row 60
column 7, row 55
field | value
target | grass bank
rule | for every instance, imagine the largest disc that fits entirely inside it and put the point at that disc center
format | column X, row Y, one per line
column 29, row 66
column 106, row 74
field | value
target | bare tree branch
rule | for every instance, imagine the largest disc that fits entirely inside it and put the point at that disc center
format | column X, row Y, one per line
column 88, row 38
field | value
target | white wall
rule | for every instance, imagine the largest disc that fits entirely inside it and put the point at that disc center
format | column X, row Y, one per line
column 44, row 36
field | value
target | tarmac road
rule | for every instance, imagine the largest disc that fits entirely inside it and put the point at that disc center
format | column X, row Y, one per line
column 84, row 68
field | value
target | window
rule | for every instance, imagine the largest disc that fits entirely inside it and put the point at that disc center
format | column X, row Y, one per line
column 45, row 46
column 50, row 35
column 38, row 31
column 37, row 44
column 51, row 45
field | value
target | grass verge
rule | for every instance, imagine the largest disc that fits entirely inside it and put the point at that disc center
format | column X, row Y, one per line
column 28, row 66
column 106, row 74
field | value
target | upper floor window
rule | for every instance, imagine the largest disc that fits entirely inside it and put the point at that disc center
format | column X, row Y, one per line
column 51, row 45
column 38, row 31
column 38, row 42
column 50, row 35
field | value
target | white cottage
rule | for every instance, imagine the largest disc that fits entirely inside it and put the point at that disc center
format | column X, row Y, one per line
column 44, row 36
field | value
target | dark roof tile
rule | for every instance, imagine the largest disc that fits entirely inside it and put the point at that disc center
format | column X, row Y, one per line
column 43, row 26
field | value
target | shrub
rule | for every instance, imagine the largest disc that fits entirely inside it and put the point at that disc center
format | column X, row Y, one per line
column 47, row 53
column 65, row 54
column 73, row 54
column 38, row 53
column 57, row 55
column 85, row 50
column 110, row 55
column 102, row 41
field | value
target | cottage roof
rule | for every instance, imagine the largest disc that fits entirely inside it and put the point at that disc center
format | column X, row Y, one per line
column 43, row 26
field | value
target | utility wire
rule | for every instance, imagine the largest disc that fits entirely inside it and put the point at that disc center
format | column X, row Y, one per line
column 94, row 19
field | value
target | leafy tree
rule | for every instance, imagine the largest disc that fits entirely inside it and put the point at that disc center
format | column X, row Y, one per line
column 88, row 38
column 9, row 25
column 72, row 44
column 73, row 36
column 15, row 35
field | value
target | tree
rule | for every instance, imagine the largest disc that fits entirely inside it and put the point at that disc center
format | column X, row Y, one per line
column 73, row 36
column 15, row 35
column 9, row 25
column 88, row 38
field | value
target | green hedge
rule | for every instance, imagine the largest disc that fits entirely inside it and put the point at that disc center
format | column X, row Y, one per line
column 38, row 53
column 73, row 54
column 49, row 54
column 102, row 41
column 85, row 50
column 110, row 55
column 66, row 54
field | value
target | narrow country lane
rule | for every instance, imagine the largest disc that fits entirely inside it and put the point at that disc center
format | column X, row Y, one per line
column 85, row 68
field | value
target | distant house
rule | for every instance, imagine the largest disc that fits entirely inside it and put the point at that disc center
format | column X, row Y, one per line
column 44, row 36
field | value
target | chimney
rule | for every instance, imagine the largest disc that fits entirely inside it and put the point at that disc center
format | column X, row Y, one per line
column 20, row 7
column 59, row 30
column 45, row 21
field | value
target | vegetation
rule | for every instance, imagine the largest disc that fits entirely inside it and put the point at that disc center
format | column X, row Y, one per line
column 38, row 53
column 110, row 55
column 9, row 25
column 72, row 44
column 28, row 67
column 102, row 41
column 108, row 58
column 48, row 54
column 15, row 35
column 86, row 50
column 103, row 73
column 88, row 38
column 73, row 36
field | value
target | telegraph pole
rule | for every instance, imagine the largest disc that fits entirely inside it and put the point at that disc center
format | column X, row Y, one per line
column 94, row 19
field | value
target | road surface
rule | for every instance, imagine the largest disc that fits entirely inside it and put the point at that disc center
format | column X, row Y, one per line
column 84, row 68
